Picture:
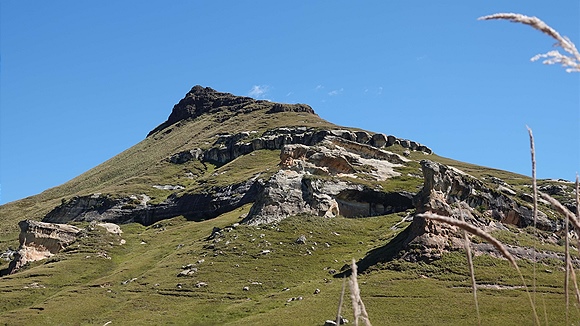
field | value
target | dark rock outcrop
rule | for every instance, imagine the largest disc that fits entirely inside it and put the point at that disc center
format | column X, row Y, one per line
column 186, row 156
column 369, row 202
column 200, row 100
column 283, row 107
column 87, row 208
column 202, row 206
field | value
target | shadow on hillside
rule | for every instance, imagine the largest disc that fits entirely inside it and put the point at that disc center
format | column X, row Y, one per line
column 382, row 254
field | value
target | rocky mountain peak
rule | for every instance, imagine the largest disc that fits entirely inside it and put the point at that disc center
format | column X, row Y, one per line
column 203, row 100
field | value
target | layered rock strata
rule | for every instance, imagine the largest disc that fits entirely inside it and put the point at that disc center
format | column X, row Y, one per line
column 229, row 147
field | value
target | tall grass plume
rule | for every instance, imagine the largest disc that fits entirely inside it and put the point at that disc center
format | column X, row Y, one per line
column 571, row 61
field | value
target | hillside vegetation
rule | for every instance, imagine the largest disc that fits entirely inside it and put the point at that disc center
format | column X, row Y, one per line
column 225, row 272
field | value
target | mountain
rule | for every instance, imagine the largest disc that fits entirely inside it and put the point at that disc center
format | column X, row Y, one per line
column 237, row 211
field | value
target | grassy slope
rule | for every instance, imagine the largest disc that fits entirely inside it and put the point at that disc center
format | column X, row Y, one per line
column 402, row 293
column 135, row 170
column 81, row 287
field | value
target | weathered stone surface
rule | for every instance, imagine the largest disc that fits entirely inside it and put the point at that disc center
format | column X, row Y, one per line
column 446, row 185
column 362, row 137
column 553, row 189
column 40, row 240
column 450, row 192
column 229, row 147
column 367, row 202
column 83, row 208
column 378, row 140
column 186, row 156
column 110, row 227
column 304, row 185
column 286, row 194
column 301, row 239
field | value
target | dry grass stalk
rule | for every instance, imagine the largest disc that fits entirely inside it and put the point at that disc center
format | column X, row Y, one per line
column 340, row 302
column 486, row 236
column 467, row 245
column 473, row 230
column 577, row 197
column 563, row 210
column 357, row 303
column 535, row 209
column 571, row 268
column 567, row 263
column 572, row 62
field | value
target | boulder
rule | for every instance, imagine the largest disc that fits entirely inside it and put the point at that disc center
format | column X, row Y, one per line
column 186, row 156
column 378, row 140
column 362, row 137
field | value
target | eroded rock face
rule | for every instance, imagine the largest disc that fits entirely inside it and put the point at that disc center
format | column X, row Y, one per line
column 445, row 186
column 104, row 208
column 288, row 193
column 307, row 183
column 39, row 240
column 450, row 192
column 229, row 147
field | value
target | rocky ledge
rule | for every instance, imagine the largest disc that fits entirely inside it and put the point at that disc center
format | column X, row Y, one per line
column 306, row 182
column 229, row 147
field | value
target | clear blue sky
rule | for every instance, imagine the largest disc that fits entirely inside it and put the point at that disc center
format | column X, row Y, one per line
column 82, row 81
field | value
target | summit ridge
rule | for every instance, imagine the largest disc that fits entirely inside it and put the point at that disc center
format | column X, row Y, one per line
column 203, row 100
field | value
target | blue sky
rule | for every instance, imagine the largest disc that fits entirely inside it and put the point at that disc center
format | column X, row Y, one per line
column 82, row 81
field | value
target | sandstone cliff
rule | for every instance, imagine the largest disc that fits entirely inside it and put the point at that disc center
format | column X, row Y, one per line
column 40, row 240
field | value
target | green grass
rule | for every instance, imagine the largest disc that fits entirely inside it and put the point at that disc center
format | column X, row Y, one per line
column 81, row 290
